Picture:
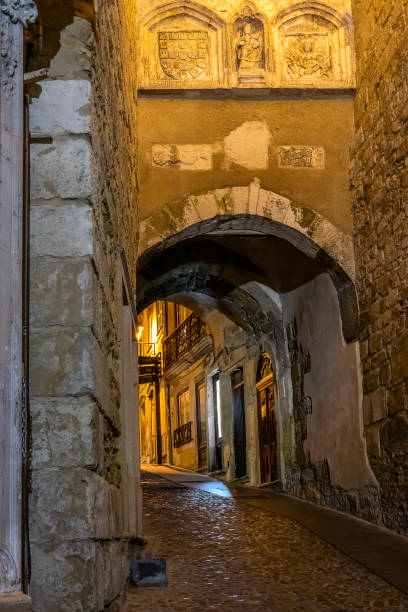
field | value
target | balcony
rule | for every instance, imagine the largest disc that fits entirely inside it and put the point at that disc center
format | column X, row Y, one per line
column 183, row 339
column 183, row 435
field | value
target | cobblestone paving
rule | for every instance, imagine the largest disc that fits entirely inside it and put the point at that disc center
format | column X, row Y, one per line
column 224, row 554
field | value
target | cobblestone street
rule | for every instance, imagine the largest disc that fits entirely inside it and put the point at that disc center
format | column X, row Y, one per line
column 222, row 553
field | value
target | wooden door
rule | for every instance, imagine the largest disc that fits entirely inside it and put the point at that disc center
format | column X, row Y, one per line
column 239, row 423
column 201, row 426
column 267, row 430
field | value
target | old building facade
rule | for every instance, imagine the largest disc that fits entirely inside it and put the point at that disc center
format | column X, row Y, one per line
column 248, row 162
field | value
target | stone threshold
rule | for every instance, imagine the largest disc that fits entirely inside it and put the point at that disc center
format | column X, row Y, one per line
column 15, row 602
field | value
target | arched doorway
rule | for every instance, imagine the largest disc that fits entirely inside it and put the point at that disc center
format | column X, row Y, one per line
column 238, row 401
column 267, row 427
column 253, row 281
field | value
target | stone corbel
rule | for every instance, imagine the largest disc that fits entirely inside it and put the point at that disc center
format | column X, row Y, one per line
column 20, row 11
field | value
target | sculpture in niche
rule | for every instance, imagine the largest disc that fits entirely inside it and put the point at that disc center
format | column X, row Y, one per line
column 307, row 56
column 184, row 55
column 249, row 46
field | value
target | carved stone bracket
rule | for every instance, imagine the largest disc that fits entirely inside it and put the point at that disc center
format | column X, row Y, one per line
column 19, row 11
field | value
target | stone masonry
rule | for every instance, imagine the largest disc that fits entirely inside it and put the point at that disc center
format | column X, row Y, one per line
column 83, row 200
column 379, row 177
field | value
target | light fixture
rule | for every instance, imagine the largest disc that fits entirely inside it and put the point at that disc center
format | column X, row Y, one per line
column 139, row 332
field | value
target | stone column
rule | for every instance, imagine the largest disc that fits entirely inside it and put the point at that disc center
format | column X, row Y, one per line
column 14, row 14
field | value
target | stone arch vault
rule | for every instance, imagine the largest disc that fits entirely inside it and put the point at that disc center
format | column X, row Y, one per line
column 252, row 211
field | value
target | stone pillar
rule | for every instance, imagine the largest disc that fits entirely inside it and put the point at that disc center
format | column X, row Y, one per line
column 130, row 443
column 14, row 15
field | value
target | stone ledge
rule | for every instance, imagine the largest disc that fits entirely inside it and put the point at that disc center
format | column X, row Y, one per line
column 15, row 602
column 250, row 93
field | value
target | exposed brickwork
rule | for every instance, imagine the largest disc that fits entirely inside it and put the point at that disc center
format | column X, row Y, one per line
column 114, row 184
column 379, row 177
column 114, row 128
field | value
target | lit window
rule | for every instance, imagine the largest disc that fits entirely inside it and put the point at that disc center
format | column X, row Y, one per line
column 183, row 408
column 217, row 407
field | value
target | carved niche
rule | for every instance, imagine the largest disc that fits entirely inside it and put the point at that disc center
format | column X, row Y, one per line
column 183, row 45
column 249, row 54
column 313, row 48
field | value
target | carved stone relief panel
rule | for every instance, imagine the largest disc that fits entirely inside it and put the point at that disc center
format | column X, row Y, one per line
column 182, row 157
column 308, row 55
column 312, row 51
column 185, row 56
column 301, row 156
column 183, row 47
column 186, row 44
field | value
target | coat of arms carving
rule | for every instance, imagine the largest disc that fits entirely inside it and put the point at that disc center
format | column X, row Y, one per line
column 184, row 56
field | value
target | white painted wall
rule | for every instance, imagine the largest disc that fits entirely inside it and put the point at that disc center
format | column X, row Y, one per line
column 335, row 427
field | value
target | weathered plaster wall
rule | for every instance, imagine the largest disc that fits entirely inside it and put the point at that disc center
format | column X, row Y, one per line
column 239, row 140
column 327, row 403
column 84, row 209
column 379, row 178
column 185, row 375
column 322, row 451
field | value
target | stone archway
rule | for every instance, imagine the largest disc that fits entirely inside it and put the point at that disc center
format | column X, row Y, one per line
column 284, row 274
column 254, row 211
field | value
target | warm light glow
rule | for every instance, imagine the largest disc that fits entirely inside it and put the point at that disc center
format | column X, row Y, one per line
column 153, row 338
column 139, row 333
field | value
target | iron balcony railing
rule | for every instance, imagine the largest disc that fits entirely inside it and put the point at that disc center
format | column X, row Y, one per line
column 146, row 349
column 182, row 340
column 183, row 435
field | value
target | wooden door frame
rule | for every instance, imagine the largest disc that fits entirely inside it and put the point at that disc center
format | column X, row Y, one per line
column 198, row 385
column 235, row 388
column 268, row 381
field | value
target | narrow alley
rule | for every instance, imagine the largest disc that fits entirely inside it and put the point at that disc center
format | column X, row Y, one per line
column 223, row 553
column 204, row 305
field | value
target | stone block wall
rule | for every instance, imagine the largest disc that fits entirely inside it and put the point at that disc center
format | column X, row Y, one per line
column 83, row 211
column 114, row 130
column 379, row 178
